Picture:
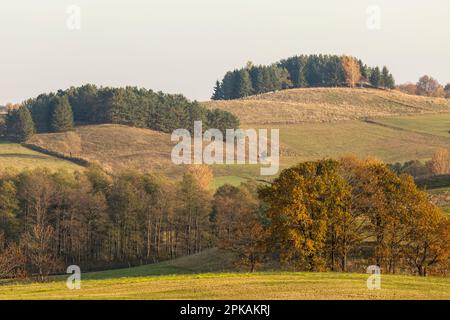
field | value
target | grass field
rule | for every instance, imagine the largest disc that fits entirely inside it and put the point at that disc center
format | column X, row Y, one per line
column 328, row 104
column 435, row 124
column 190, row 278
column 15, row 156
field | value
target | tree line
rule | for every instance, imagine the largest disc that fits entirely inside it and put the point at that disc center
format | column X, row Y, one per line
column 426, row 86
column 318, row 215
column 49, row 220
column 301, row 72
column 88, row 104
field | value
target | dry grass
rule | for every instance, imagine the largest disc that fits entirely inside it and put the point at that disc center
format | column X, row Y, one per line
column 13, row 155
column 327, row 104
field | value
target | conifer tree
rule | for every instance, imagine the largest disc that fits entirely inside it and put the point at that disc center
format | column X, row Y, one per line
column 62, row 115
column 218, row 93
column 375, row 77
column 19, row 124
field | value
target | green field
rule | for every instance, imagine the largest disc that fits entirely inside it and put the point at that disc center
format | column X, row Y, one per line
column 435, row 124
column 189, row 278
column 16, row 156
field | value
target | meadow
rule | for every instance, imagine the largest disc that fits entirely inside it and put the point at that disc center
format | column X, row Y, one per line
column 13, row 155
column 191, row 278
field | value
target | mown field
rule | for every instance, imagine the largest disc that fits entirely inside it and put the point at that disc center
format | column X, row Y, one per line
column 190, row 278
column 13, row 155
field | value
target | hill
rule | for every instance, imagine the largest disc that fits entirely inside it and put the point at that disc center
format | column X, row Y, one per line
column 184, row 278
column 315, row 105
column 314, row 123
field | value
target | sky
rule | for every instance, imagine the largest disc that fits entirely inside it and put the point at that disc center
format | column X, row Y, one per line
column 184, row 46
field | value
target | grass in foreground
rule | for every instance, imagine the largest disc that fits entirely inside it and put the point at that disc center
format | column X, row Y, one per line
column 208, row 275
column 280, row 285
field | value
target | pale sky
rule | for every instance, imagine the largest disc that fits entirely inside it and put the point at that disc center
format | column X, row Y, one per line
column 184, row 46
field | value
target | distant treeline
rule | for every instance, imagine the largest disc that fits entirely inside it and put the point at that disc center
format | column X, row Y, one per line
column 89, row 104
column 300, row 72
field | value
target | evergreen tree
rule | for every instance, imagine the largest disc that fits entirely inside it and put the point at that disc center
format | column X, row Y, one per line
column 256, row 74
column 19, row 124
column 62, row 115
column 244, row 84
column 387, row 80
column 375, row 77
column 218, row 94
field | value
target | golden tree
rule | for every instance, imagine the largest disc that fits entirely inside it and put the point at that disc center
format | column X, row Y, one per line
column 352, row 70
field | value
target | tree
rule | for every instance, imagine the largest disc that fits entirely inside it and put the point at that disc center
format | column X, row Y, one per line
column 351, row 69
column 193, row 214
column 375, row 77
column 239, row 225
column 440, row 162
column 428, row 86
column 428, row 241
column 38, row 243
column 387, row 80
column 218, row 93
column 244, row 84
column 9, row 224
column 299, row 203
column 62, row 115
column 19, row 124
column 447, row 91
column 408, row 88
column 12, row 259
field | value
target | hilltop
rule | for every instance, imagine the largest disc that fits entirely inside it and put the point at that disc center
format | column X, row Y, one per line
column 313, row 105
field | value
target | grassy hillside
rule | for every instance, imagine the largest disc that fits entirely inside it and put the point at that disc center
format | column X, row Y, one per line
column 314, row 123
column 115, row 147
column 434, row 124
column 16, row 156
column 328, row 104
column 184, row 278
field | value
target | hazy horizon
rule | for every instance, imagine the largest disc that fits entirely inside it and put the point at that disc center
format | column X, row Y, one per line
column 183, row 47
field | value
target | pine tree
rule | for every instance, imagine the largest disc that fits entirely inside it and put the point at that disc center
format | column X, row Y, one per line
column 218, row 93
column 19, row 124
column 375, row 77
column 387, row 80
column 244, row 84
column 62, row 115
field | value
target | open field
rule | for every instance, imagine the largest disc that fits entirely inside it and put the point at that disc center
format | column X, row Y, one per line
column 435, row 124
column 16, row 156
column 327, row 104
column 184, row 278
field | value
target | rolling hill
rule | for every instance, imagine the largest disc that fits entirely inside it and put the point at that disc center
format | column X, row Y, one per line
column 314, row 123
column 315, row 105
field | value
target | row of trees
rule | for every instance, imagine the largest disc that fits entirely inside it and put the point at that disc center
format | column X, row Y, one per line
column 438, row 165
column 319, row 215
column 426, row 86
column 51, row 220
column 300, row 72
column 57, row 112
column 330, row 215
